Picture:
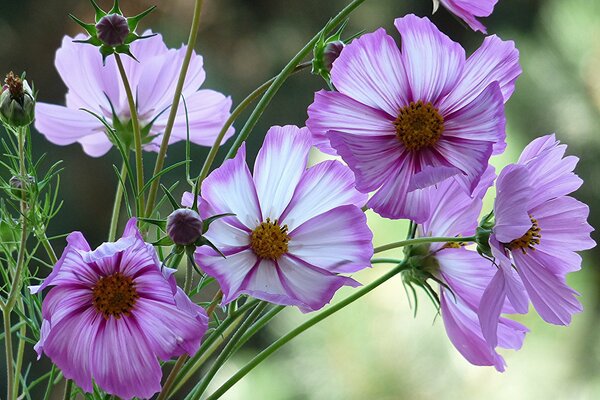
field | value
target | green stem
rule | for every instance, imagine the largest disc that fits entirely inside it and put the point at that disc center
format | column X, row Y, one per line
column 137, row 136
column 50, row 383
column 285, row 73
column 297, row 331
column 234, row 115
column 47, row 246
column 20, row 353
column 225, row 353
column 116, row 211
column 9, row 354
column 68, row 388
column 162, row 153
column 410, row 242
column 258, row 325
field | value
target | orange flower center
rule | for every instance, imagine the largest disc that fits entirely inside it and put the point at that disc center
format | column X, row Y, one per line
column 269, row 240
column 529, row 240
column 419, row 125
column 115, row 295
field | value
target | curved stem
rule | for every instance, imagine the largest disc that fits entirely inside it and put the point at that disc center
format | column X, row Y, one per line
column 162, row 153
column 258, row 325
column 225, row 353
column 285, row 72
column 409, row 242
column 137, row 136
column 116, row 211
column 210, row 158
column 297, row 331
column 68, row 388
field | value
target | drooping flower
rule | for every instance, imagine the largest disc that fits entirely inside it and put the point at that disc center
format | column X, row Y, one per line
column 537, row 232
column 469, row 10
column 463, row 274
column 295, row 229
column 406, row 120
column 112, row 313
column 97, row 88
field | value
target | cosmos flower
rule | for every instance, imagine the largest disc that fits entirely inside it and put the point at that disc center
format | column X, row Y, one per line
column 99, row 89
column 463, row 274
column 112, row 313
column 538, row 229
column 295, row 229
column 468, row 10
column 406, row 120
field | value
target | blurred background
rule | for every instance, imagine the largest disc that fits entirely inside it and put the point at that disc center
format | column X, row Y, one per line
column 374, row 349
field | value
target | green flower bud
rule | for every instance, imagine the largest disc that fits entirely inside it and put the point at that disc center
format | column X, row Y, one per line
column 17, row 102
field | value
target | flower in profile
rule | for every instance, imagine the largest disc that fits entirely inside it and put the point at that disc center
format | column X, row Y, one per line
column 469, row 10
column 112, row 313
column 294, row 230
column 538, row 229
column 97, row 88
column 406, row 120
column 462, row 274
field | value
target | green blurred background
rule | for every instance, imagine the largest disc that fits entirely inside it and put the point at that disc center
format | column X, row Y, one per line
column 375, row 349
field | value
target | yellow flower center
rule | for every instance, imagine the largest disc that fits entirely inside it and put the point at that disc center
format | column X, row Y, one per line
column 529, row 240
column 115, row 295
column 269, row 240
column 419, row 125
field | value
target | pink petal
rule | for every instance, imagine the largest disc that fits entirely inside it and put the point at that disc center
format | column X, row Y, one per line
column 323, row 187
column 467, row 10
column 280, row 164
column 513, row 193
column 370, row 70
column 433, row 62
column 338, row 240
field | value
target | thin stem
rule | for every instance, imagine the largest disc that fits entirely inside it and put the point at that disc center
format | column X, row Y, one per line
column 47, row 246
column 20, row 353
column 285, row 73
column 116, row 211
column 297, row 331
column 226, row 352
column 50, row 383
column 68, row 388
column 171, row 378
column 234, row 115
column 410, row 242
column 9, row 354
column 258, row 325
column 189, row 271
column 137, row 136
column 162, row 153
column 213, row 303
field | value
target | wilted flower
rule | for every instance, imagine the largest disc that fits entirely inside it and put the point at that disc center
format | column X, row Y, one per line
column 463, row 274
column 468, row 10
column 112, row 313
column 98, row 88
column 405, row 121
column 294, row 229
column 17, row 102
column 538, row 229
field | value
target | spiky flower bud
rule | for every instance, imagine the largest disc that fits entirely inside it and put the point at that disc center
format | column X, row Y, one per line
column 112, row 29
column 17, row 102
column 184, row 226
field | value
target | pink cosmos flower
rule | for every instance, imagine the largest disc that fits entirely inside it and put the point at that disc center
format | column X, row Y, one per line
column 112, row 312
column 294, row 230
column 465, row 274
column 538, row 229
column 406, row 120
column 99, row 89
column 468, row 10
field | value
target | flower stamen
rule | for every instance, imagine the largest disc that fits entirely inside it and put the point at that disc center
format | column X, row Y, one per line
column 115, row 295
column 269, row 240
column 419, row 125
column 529, row 240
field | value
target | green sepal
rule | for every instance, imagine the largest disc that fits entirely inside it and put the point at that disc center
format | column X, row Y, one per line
column 115, row 8
column 133, row 22
column 161, row 224
column 170, row 197
column 106, row 51
column 206, row 223
column 163, row 241
column 202, row 241
column 89, row 28
column 94, row 41
column 99, row 12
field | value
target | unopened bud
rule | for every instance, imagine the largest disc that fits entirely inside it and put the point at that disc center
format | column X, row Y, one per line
column 17, row 104
column 331, row 53
column 184, row 226
column 113, row 29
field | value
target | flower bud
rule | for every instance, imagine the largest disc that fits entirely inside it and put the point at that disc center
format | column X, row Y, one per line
column 17, row 104
column 184, row 226
column 113, row 29
column 18, row 185
column 331, row 52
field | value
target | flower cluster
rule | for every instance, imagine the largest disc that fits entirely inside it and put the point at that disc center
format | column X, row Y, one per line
column 413, row 129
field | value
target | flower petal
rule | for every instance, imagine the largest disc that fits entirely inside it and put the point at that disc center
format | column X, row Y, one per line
column 513, row 193
column 338, row 112
column 338, row 240
column 370, row 70
column 280, row 164
column 323, row 187
column 433, row 62
column 230, row 189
